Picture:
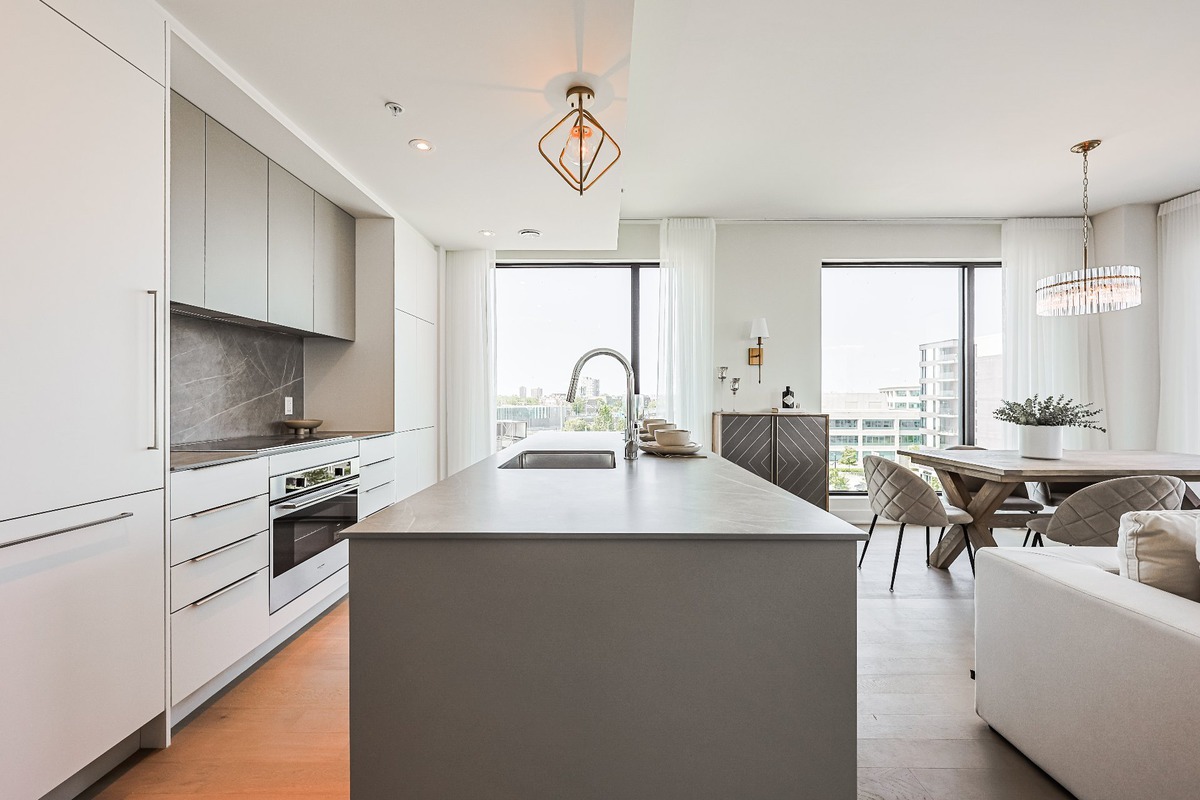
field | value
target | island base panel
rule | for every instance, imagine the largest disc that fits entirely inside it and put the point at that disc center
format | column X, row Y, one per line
column 605, row 669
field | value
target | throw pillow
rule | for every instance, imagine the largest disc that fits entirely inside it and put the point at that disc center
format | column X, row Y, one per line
column 1160, row 549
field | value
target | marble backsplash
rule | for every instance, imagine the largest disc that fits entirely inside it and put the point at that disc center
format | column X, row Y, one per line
column 230, row 380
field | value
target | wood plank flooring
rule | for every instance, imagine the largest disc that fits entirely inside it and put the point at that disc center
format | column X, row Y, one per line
column 283, row 732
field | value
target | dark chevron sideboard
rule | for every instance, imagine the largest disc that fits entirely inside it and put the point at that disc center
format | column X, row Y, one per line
column 790, row 450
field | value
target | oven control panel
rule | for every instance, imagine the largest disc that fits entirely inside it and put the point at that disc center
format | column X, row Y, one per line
column 305, row 480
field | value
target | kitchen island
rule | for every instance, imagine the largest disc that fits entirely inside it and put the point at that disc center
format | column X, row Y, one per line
column 666, row 628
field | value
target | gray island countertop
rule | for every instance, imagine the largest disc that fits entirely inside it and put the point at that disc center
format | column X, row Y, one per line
column 652, row 497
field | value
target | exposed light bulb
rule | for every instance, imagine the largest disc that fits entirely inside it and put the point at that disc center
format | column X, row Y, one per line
column 578, row 149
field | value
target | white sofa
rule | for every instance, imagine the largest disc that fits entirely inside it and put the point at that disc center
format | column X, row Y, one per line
column 1091, row 675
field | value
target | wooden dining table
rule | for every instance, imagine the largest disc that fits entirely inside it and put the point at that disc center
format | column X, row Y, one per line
column 1001, row 471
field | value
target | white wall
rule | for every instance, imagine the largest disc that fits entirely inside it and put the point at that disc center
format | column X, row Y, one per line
column 773, row 270
column 1129, row 235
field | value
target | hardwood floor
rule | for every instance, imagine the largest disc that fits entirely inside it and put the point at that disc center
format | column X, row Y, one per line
column 283, row 732
column 918, row 735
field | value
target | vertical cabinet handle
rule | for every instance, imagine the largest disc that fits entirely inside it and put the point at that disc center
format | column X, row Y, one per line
column 154, row 379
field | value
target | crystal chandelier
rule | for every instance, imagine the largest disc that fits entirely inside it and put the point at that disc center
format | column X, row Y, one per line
column 1091, row 290
column 587, row 147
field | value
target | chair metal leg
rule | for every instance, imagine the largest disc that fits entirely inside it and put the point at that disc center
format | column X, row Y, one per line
column 1037, row 540
column 867, row 543
column 896, row 563
column 941, row 535
column 1027, row 534
column 970, row 550
column 927, row 545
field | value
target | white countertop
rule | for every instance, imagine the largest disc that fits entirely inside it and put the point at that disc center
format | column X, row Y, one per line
column 650, row 497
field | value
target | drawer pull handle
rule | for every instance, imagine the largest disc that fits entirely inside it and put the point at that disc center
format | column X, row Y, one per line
column 220, row 592
column 94, row 523
column 373, row 488
column 208, row 511
column 220, row 550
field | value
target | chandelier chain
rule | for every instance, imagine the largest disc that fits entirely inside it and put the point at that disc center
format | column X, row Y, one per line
column 1085, row 201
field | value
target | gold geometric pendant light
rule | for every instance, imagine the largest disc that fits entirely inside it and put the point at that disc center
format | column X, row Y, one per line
column 587, row 146
column 1091, row 290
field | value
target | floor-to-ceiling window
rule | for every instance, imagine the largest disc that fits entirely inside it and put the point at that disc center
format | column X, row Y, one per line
column 547, row 316
column 911, row 358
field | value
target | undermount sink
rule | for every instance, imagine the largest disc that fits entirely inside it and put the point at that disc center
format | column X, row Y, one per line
column 563, row 459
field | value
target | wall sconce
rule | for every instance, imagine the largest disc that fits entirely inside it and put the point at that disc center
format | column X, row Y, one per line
column 758, row 330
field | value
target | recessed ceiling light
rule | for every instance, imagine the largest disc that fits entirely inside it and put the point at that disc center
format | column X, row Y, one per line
column 395, row 108
column 487, row 233
column 529, row 233
column 420, row 144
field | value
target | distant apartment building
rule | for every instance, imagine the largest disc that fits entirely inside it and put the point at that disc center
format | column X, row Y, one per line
column 589, row 387
column 873, row 423
column 942, row 386
column 898, row 418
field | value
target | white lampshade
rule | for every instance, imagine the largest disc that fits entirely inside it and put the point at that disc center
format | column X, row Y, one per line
column 758, row 328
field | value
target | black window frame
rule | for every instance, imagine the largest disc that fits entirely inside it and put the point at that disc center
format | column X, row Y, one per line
column 635, row 299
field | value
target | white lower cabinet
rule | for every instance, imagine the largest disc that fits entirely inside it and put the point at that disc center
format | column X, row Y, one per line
column 212, row 633
column 376, row 498
column 82, row 650
column 220, row 550
column 206, row 574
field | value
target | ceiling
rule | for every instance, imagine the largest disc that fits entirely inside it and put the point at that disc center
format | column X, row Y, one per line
column 747, row 110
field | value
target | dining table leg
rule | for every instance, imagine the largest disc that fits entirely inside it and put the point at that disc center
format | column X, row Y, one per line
column 981, row 505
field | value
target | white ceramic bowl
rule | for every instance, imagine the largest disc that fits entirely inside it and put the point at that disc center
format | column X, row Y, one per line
column 658, row 426
column 672, row 437
column 648, row 421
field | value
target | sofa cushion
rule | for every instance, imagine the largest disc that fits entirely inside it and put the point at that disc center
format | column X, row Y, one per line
column 1160, row 549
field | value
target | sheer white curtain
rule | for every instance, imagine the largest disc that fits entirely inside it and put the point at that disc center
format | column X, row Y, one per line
column 687, row 272
column 469, row 326
column 1048, row 355
column 1179, row 324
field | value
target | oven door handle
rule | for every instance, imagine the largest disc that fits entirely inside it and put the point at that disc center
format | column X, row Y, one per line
column 312, row 500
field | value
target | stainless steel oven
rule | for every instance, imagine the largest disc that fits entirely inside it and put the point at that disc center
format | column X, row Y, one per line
column 309, row 510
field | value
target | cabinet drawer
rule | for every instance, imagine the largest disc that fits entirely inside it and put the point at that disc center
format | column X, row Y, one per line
column 208, row 487
column 372, row 500
column 207, row 530
column 371, row 451
column 205, row 574
column 376, row 474
column 212, row 633
column 312, row 457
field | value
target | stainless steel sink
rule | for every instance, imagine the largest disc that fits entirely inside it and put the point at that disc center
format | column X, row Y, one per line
column 563, row 459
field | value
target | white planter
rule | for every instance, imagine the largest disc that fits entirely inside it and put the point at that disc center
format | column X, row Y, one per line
column 1040, row 441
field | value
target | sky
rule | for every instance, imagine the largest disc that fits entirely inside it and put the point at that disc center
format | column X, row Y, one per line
column 874, row 318
column 547, row 318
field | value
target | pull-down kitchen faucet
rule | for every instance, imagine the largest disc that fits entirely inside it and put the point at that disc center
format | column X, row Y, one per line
column 631, row 434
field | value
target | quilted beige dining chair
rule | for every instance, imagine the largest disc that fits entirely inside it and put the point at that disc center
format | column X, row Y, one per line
column 1091, row 516
column 897, row 494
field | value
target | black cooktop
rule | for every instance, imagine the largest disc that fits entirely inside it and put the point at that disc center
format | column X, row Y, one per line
column 258, row 444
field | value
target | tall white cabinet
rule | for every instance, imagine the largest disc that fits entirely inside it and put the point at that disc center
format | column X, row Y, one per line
column 81, row 244
column 82, row 221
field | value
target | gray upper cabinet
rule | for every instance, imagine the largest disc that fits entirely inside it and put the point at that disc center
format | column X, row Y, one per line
column 333, row 267
column 235, row 230
column 249, row 239
column 187, row 202
column 289, row 250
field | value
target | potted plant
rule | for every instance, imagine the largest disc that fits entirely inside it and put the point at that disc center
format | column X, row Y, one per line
column 1041, row 422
